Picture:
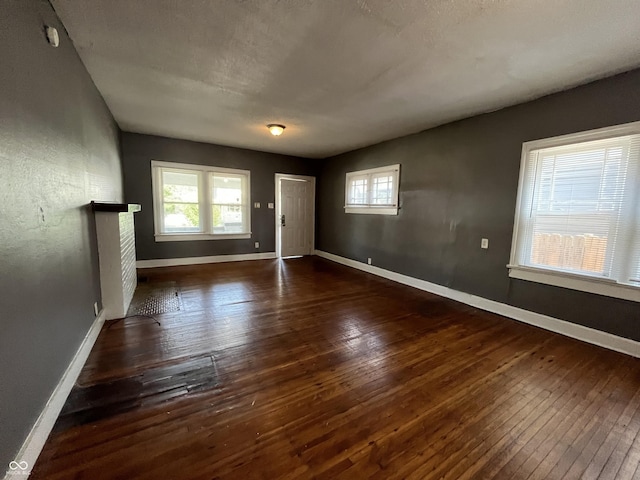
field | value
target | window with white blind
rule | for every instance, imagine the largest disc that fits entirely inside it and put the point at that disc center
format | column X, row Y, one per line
column 373, row 191
column 578, row 215
column 197, row 202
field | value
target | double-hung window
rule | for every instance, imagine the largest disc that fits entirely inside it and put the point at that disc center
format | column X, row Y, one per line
column 373, row 191
column 198, row 202
column 578, row 214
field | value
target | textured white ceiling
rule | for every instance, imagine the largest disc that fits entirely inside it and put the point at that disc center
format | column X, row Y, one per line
column 341, row 74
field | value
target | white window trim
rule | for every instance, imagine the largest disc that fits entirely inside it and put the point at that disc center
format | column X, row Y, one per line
column 203, row 200
column 599, row 286
column 573, row 281
column 374, row 209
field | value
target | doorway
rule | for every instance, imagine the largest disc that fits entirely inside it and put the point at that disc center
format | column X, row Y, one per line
column 295, row 215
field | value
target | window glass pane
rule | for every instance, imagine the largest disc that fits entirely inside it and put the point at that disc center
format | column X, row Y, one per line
column 585, row 252
column 382, row 190
column 180, row 199
column 229, row 213
column 181, row 217
column 576, row 205
column 179, row 186
column 229, row 219
column 227, row 188
column 358, row 191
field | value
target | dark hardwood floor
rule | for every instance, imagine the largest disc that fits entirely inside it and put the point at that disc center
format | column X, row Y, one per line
column 307, row 369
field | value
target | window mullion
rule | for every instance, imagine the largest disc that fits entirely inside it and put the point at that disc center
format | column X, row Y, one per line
column 245, row 208
column 205, row 202
column 159, row 210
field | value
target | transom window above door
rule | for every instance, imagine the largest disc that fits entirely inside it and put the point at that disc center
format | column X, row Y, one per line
column 200, row 202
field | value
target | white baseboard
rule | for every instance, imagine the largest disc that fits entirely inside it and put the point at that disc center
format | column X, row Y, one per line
column 32, row 446
column 175, row 262
column 589, row 335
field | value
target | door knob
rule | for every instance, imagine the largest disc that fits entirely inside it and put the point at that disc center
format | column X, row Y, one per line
column 282, row 221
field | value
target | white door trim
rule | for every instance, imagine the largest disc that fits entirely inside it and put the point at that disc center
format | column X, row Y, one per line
column 312, row 181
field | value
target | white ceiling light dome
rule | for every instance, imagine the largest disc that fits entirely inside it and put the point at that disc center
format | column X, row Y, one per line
column 276, row 129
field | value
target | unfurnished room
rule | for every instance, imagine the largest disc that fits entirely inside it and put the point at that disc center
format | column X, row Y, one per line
column 319, row 239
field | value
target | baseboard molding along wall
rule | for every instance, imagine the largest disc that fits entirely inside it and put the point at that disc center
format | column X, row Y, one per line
column 579, row 332
column 33, row 444
column 175, row 262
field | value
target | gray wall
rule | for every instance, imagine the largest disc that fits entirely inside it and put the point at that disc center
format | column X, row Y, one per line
column 58, row 151
column 458, row 184
column 138, row 151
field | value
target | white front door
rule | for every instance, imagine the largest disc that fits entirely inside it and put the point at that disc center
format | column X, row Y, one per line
column 296, row 221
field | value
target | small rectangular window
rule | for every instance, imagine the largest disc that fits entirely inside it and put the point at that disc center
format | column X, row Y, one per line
column 196, row 202
column 373, row 191
column 578, row 216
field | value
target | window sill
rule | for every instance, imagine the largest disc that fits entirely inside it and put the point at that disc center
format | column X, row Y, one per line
column 372, row 210
column 185, row 237
column 599, row 286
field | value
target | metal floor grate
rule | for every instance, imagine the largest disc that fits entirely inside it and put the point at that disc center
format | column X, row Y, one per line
column 155, row 298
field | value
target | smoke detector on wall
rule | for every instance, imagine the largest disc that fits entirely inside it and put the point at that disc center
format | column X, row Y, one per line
column 52, row 36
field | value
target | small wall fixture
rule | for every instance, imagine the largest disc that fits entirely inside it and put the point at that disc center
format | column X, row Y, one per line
column 52, row 36
column 275, row 129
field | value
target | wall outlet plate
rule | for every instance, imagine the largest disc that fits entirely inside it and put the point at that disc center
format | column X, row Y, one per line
column 484, row 243
column 256, row 204
column 257, row 244
column 369, row 261
column 270, row 205
column 95, row 308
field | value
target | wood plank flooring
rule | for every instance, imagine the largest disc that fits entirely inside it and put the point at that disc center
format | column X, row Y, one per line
column 307, row 369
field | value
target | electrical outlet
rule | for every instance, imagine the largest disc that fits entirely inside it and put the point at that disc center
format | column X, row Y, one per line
column 369, row 260
column 257, row 244
column 484, row 243
column 95, row 308
column 270, row 205
column 256, row 204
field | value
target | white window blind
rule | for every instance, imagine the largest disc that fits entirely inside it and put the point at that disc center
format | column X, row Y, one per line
column 373, row 191
column 578, row 208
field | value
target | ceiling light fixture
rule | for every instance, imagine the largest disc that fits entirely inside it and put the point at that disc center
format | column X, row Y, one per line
column 275, row 129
